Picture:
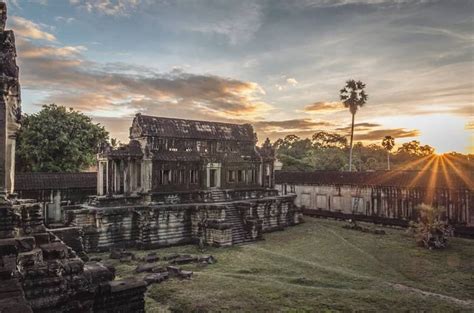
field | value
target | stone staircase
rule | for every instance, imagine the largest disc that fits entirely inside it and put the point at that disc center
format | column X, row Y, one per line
column 238, row 232
column 218, row 195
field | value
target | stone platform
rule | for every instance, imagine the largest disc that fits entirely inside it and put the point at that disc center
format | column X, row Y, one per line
column 223, row 218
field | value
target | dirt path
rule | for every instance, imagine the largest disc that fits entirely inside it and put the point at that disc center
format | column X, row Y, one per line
column 333, row 268
column 468, row 303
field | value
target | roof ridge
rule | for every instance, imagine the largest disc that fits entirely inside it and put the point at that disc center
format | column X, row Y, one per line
column 191, row 120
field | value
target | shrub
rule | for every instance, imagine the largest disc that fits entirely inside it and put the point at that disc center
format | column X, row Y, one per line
column 430, row 230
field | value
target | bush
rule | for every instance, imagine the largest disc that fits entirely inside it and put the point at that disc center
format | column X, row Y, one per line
column 430, row 230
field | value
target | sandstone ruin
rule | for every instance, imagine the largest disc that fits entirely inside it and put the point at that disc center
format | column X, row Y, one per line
column 38, row 271
column 182, row 181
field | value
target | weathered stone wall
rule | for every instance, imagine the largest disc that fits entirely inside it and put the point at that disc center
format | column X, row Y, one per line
column 384, row 202
column 158, row 225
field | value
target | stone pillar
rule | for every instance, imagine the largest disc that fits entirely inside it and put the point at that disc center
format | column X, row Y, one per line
column 110, row 174
column 9, row 105
column 126, row 176
column 100, row 178
column 147, row 175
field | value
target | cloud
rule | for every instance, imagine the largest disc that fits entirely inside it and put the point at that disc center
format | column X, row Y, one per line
column 373, row 131
column 359, row 127
column 29, row 51
column 337, row 3
column 67, row 20
column 28, row 29
column 288, row 82
column 290, row 125
column 73, row 81
column 237, row 21
column 463, row 110
column 279, row 129
column 292, row 81
column 107, row 7
column 381, row 133
column 324, row 107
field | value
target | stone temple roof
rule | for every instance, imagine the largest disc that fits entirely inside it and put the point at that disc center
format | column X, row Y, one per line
column 404, row 179
column 152, row 126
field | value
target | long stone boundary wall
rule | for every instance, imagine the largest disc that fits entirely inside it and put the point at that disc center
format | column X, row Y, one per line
column 381, row 204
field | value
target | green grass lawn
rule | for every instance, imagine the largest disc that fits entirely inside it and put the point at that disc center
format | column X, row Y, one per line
column 320, row 266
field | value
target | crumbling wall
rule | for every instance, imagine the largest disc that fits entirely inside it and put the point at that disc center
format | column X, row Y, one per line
column 40, row 273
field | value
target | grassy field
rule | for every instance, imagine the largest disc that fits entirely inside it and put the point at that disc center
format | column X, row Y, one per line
column 320, row 266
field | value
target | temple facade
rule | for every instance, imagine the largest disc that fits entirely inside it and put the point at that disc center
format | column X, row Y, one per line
column 181, row 181
column 176, row 155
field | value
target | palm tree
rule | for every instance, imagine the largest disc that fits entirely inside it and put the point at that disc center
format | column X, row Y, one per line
column 388, row 143
column 353, row 96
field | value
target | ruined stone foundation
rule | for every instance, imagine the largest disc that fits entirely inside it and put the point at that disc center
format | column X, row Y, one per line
column 40, row 273
column 222, row 219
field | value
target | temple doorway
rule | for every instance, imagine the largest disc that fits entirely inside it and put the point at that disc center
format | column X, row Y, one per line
column 213, row 175
column 212, row 178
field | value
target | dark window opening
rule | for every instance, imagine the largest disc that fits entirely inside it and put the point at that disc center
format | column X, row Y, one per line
column 240, row 176
column 165, row 178
column 193, row 176
column 231, row 176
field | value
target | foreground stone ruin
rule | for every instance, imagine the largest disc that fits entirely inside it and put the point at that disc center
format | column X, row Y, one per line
column 38, row 271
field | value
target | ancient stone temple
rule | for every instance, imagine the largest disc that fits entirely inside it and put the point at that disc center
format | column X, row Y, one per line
column 181, row 181
column 38, row 271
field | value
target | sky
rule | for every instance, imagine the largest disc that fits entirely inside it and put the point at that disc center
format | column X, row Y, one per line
column 278, row 65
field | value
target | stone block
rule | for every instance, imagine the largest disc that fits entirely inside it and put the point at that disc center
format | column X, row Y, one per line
column 147, row 267
column 185, row 259
column 30, row 258
column 54, row 251
column 177, row 272
column 117, row 286
column 156, row 278
column 42, row 238
column 97, row 273
column 151, row 258
column 209, row 259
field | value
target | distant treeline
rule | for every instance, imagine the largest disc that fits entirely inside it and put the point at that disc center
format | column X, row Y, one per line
column 330, row 151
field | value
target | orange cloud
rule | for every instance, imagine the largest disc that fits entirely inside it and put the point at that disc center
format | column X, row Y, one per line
column 323, row 107
column 381, row 133
column 28, row 29
column 73, row 81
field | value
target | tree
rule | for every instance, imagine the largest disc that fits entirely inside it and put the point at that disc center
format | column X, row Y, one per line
column 430, row 230
column 388, row 143
column 353, row 97
column 324, row 139
column 414, row 148
column 57, row 139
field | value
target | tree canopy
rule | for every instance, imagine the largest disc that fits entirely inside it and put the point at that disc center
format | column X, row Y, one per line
column 57, row 139
column 327, row 151
column 353, row 96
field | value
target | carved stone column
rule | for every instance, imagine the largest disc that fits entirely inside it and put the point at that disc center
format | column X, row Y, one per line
column 10, row 110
